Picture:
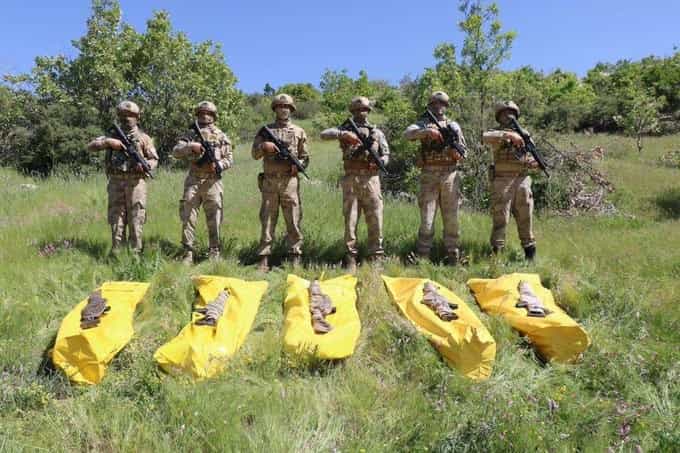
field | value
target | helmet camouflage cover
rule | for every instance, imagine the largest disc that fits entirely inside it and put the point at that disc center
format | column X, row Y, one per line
column 206, row 106
column 506, row 105
column 439, row 96
column 128, row 107
column 283, row 99
column 360, row 102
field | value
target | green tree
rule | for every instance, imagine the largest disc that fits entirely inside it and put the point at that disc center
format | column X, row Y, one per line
column 641, row 113
column 485, row 47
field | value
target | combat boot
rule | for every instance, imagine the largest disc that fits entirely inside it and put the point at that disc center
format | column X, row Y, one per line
column 530, row 252
column 453, row 257
column 351, row 263
column 496, row 249
column 188, row 258
column 263, row 264
column 214, row 254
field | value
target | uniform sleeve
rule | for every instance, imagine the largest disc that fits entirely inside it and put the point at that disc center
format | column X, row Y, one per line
column 415, row 132
column 303, row 149
column 97, row 144
column 461, row 137
column 182, row 150
column 493, row 137
column 150, row 153
column 256, row 151
column 227, row 160
column 384, row 147
column 332, row 133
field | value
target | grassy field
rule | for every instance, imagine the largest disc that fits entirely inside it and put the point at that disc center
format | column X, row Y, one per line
column 617, row 275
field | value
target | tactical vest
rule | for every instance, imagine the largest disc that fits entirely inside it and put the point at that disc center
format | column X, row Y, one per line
column 117, row 162
column 433, row 151
column 505, row 159
column 216, row 139
column 290, row 136
column 349, row 153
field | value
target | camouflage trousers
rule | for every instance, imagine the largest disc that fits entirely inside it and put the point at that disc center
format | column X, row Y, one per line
column 438, row 189
column 512, row 194
column 280, row 191
column 361, row 193
column 206, row 192
column 127, row 209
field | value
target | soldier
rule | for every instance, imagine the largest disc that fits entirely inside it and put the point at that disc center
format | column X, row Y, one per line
column 203, row 185
column 440, row 179
column 510, row 182
column 361, row 183
column 126, row 178
column 279, row 182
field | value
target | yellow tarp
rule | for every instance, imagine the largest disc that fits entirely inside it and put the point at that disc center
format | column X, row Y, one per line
column 83, row 354
column 556, row 337
column 465, row 343
column 299, row 336
column 202, row 351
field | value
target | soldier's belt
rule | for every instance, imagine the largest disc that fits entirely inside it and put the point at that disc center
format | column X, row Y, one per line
column 360, row 167
column 125, row 175
column 509, row 173
column 202, row 174
column 278, row 174
column 439, row 165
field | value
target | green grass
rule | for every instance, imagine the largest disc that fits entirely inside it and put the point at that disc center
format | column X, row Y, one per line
column 616, row 275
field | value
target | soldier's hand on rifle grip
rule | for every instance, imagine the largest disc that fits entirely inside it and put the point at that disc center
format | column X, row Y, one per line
column 515, row 139
column 139, row 168
column 269, row 148
column 434, row 135
column 114, row 144
column 453, row 154
column 196, row 148
column 349, row 138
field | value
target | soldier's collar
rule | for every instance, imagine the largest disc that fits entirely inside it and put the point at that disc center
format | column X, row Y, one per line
column 285, row 123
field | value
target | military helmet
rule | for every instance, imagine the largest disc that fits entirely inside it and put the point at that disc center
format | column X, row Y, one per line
column 283, row 99
column 360, row 102
column 129, row 107
column 206, row 106
column 506, row 105
column 439, row 96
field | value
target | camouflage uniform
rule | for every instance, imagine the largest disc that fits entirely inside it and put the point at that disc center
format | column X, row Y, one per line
column 361, row 183
column 202, row 186
column 440, row 180
column 510, row 186
column 126, row 183
column 279, row 183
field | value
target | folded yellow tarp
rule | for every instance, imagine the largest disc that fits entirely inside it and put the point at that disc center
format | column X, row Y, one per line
column 299, row 336
column 556, row 336
column 83, row 354
column 465, row 343
column 202, row 351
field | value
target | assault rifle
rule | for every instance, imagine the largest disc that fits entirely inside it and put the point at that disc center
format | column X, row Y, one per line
column 130, row 150
column 530, row 146
column 449, row 135
column 209, row 154
column 367, row 144
column 284, row 153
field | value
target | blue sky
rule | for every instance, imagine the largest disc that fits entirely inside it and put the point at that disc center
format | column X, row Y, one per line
column 294, row 41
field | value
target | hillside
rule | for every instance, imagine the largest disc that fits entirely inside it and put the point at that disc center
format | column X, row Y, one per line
column 617, row 275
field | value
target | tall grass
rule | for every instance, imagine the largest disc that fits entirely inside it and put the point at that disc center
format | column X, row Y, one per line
column 616, row 275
